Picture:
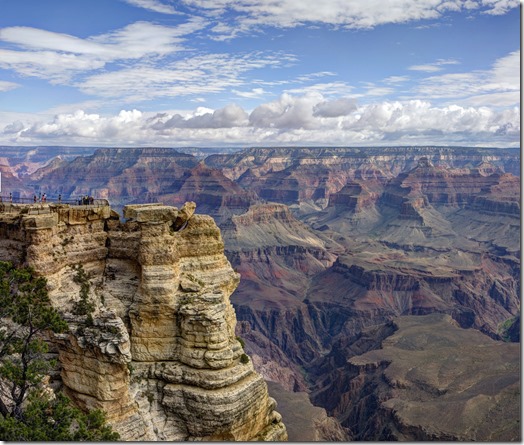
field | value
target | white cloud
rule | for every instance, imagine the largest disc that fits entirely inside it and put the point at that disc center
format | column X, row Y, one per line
column 255, row 93
column 134, row 41
column 335, row 108
column 425, row 68
column 59, row 57
column 251, row 14
column 506, row 72
column 210, row 73
column 228, row 117
column 432, row 67
column 153, row 5
column 8, row 86
column 395, row 79
column 14, row 127
column 477, row 86
column 499, row 7
column 307, row 119
column 53, row 66
column 288, row 112
column 338, row 88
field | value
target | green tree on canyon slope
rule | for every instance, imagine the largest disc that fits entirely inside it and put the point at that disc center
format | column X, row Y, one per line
column 28, row 410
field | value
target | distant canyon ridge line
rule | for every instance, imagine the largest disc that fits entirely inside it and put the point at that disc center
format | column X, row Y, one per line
column 333, row 244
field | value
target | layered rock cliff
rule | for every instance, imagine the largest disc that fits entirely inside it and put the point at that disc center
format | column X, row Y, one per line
column 156, row 348
column 292, row 175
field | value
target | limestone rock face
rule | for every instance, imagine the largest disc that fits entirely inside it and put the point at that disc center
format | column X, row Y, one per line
column 158, row 351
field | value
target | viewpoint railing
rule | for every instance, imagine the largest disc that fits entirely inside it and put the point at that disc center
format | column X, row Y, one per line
column 11, row 204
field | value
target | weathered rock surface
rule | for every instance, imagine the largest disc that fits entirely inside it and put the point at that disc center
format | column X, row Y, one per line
column 158, row 353
column 432, row 380
column 308, row 423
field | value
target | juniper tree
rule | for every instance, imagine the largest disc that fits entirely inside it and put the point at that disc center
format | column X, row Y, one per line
column 27, row 412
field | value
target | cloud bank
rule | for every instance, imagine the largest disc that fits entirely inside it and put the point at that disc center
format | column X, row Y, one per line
column 307, row 119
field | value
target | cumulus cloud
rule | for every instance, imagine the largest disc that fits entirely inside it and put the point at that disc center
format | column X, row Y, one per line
column 84, row 126
column 335, row 108
column 306, row 119
column 288, row 112
column 14, row 127
column 228, row 117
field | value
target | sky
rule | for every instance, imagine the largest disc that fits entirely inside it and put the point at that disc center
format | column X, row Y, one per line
column 260, row 72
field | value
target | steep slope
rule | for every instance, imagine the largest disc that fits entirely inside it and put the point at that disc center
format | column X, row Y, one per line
column 276, row 255
column 426, row 383
column 216, row 194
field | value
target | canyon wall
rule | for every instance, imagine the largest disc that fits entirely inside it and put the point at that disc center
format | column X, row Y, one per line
column 156, row 350
column 431, row 381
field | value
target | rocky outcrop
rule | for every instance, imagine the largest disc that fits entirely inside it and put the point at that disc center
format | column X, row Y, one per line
column 157, row 351
column 425, row 383
column 216, row 194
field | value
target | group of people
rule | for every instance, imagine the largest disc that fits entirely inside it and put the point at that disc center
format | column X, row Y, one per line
column 42, row 198
column 86, row 200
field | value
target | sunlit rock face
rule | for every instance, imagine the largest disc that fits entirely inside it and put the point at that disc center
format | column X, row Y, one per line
column 158, row 353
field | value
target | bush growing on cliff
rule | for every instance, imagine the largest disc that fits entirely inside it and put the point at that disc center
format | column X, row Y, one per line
column 27, row 411
column 46, row 419
column 84, row 306
column 26, row 315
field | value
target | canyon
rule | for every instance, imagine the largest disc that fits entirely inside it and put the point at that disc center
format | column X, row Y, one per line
column 340, row 252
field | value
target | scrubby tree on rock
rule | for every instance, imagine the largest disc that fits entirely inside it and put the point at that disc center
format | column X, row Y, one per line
column 29, row 410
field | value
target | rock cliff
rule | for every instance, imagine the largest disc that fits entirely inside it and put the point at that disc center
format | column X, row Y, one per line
column 292, row 175
column 432, row 380
column 156, row 350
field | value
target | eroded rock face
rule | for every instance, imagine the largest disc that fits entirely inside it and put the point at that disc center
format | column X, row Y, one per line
column 158, row 353
column 426, row 384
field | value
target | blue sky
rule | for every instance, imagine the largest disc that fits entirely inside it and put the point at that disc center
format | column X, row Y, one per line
column 260, row 72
